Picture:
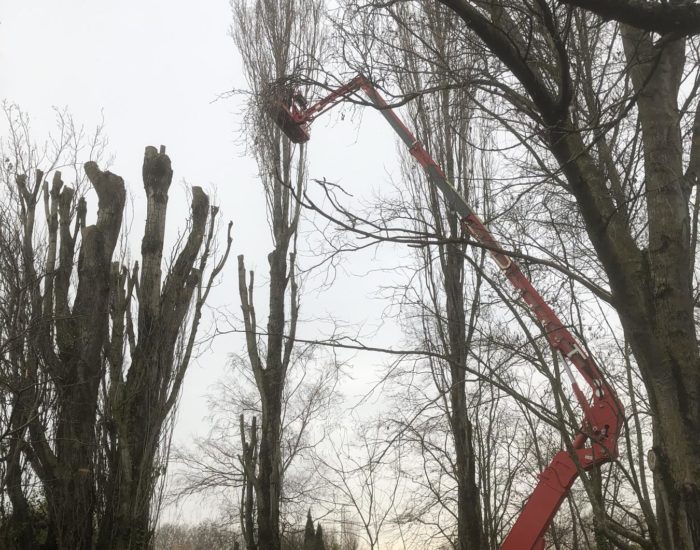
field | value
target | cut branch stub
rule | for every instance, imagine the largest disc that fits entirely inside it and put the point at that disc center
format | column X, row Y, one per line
column 157, row 175
column 56, row 184
column 200, row 203
column 157, row 171
column 111, row 196
column 182, row 271
column 65, row 266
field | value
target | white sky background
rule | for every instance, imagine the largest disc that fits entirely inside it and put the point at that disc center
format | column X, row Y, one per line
column 154, row 69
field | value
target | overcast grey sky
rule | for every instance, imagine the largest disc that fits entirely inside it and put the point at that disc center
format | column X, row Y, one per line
column 154, row 69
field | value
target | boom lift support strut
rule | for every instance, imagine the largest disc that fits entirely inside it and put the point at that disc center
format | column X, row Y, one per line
column 596, row 441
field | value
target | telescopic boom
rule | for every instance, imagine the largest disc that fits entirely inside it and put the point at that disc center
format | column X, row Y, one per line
column 596, row 441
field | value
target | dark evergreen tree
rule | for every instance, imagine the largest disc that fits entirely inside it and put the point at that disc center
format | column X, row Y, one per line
column 309, row 534
column 319, row 544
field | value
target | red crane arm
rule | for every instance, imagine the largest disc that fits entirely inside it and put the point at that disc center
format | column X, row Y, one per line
column 602, row 413
column 293, row 116
column 334, row 97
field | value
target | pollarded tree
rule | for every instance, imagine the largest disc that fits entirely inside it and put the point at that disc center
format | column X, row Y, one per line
column 147, row 360
column 90, row 384
column 56, row 353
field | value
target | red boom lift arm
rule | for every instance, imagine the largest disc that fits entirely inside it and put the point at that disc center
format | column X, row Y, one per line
column 596, row 442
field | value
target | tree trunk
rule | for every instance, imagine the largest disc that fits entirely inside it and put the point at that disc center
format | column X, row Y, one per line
column 652, row 287
column 271, row 391
column 672, row 367
column 19, row 533
column 71, row 498
column 249, row 458
column 441, row 132
column 469, row 522
column 268, row 57
column 269, row 480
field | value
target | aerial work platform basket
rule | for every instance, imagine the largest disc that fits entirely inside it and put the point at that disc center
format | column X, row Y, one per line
column 289, row 115
column 292, row 113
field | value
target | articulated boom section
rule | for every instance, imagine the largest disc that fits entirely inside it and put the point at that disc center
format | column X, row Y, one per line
column 293, row 116
column 596, row 443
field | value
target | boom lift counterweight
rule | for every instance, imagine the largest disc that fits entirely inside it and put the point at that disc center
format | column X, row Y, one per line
column 596, row 442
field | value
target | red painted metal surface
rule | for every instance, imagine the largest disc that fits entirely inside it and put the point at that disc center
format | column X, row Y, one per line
column 596, row 441
column 290, row 118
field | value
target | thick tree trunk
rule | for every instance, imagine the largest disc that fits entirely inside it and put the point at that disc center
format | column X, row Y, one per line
column 18, row 533
column 651, row 287
column 652, row 297
column 672, row 368
column 469, row 523
column 72, row 496
column 269, row 479
column 271, row 390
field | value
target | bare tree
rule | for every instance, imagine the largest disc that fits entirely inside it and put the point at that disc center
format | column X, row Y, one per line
column 55, row 353
column 650, row 272
column 225, row 463
column 203, row 536
column 598, row 133
column 147, row 360
column 452, row 299
column 89, row 383
column 17, row 388
column 277, row 39
column 365, row 475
